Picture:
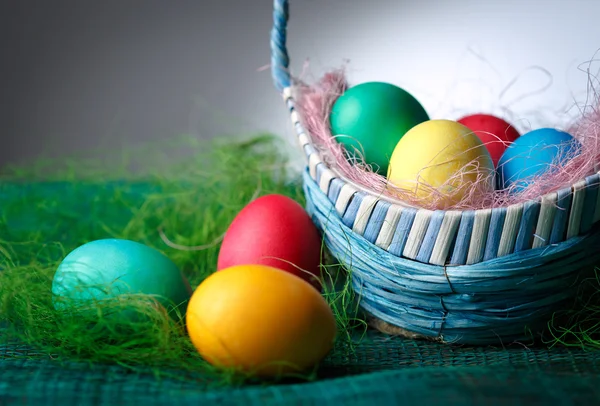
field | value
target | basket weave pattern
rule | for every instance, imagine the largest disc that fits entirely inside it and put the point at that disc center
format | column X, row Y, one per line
column 472, row 276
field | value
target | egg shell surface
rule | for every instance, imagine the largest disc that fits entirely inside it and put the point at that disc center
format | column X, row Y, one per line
column 534, row 154
column 370, row 118
column 495, row 133
column 260, row 320
column 107, row 268
column 431, row 154
column 274, row 230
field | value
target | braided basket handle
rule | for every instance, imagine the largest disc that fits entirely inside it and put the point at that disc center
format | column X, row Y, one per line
column 280, row 60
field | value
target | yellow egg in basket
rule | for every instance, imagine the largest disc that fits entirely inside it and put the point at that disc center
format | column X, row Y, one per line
column 442, row 163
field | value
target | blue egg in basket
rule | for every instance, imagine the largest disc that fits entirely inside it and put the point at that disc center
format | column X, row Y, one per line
column 533, row 154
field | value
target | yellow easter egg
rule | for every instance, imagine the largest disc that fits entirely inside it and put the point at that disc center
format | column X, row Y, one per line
column 260, row 320
column 440, row 162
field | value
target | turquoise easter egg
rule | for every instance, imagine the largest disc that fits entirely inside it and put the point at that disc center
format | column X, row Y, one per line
column 110, row 268
column 533, row 154
column 371, row 118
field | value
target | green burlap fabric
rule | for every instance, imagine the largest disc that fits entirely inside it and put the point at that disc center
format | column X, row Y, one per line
column 379, row 370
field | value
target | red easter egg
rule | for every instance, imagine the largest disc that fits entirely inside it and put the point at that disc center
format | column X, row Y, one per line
column 274, row 230
column 494, row 132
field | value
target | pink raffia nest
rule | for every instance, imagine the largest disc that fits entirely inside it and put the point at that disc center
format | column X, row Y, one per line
column 314, row 103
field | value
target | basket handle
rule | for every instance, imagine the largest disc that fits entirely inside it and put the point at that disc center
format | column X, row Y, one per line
column 280, row 61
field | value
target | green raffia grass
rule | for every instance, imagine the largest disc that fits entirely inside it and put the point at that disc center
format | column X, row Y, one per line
column 186, row 189
column 579, row 325
column 189, row 190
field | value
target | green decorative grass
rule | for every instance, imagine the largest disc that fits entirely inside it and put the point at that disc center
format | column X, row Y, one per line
column 579, row 325
column 178, row 196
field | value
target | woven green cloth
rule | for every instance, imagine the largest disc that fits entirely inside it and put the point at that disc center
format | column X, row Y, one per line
column 379, row 370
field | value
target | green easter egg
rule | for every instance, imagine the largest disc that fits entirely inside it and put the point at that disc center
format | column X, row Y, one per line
column 372, row 117
column 110, row 268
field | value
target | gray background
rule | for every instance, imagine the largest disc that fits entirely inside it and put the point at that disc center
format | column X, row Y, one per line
column 77, row 73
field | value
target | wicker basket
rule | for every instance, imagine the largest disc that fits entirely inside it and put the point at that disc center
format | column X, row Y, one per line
column 471, row 277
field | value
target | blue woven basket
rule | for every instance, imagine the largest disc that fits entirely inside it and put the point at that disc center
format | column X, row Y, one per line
column 470, row 277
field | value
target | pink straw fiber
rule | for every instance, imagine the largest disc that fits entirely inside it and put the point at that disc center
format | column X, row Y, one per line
column 315, row 101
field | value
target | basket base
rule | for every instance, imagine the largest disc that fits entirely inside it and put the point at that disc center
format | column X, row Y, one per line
column 389, row 329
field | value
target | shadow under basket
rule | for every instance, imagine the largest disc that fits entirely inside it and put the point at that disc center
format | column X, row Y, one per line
column 468, row 277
